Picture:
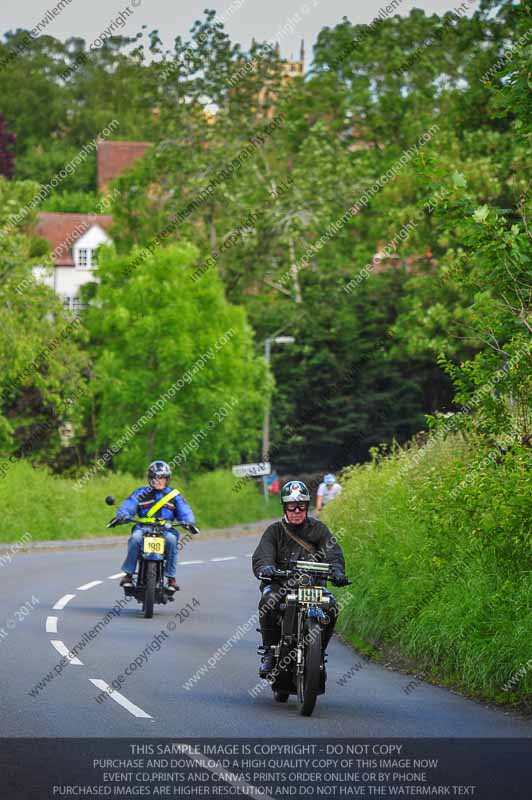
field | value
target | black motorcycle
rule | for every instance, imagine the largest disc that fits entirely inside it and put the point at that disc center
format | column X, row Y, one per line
column 148, row 581
column 299, row 667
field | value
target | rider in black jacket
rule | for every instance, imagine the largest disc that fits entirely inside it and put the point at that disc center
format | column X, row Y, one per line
column 274, row 551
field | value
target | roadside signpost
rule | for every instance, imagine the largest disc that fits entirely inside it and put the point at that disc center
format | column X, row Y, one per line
column 252, row 470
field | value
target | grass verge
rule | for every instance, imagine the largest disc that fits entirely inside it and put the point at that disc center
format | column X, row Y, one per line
column 48, row 507
column 438, row 544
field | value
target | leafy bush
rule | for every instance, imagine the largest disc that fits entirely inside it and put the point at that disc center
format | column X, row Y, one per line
column 74, row 202
column 438, row 544
column 57, row 511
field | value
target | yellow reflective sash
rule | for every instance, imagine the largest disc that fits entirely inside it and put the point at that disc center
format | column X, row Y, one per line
column 160, row 503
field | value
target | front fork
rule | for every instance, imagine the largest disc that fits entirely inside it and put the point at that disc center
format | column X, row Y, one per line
column 311, row 611
column 299, row 637
column 288, row 634
column 141, row 571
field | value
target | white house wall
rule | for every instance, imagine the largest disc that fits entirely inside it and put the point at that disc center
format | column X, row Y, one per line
column 66, row 281
column 90, row 240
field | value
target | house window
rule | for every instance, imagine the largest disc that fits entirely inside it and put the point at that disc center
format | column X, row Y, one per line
column 86, row 258
column 83, row 259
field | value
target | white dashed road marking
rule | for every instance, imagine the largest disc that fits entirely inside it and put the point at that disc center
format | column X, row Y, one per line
column 63, row 650
column 120, row 699
column 51, row 624
column 88, row 586
column 51, row 627
column 63, row 601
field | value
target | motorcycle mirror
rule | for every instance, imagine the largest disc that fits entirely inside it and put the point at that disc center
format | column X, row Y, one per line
column 110, row 500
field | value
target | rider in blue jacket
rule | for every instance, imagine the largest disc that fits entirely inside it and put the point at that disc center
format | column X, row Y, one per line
column 138, row 504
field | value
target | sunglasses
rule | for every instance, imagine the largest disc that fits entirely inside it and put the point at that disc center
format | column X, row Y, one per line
column 296, row 507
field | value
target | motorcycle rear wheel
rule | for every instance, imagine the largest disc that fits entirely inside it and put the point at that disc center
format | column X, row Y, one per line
column 150, row 573
column 281, row 697
column 309, row 682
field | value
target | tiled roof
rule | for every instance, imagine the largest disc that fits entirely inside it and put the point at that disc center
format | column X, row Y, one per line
column 63, row 230
column 115, row 157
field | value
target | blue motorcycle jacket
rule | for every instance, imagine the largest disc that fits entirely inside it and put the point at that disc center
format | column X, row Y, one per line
column 142, row 499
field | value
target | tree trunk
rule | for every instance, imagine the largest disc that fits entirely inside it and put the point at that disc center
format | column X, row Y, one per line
column 294, row 271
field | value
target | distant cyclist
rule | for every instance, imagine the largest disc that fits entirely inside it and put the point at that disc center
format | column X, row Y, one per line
column 327, row 491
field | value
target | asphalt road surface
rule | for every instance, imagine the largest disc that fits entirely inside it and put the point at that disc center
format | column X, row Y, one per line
column 50, row 601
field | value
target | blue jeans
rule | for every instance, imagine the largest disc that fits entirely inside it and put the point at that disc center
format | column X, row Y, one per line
column 133, row 549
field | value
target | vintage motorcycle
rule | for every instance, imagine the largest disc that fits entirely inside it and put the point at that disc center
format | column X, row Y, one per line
column 148, row 581
column 299, row 667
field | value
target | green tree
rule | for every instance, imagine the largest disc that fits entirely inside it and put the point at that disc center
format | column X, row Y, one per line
column 266, row 229
column 486, row 271
column 43, row 377
column 7, row 141
column 277, row 227
column 155, row 328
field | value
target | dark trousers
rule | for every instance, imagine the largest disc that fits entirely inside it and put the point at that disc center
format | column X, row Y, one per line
column 270, row 625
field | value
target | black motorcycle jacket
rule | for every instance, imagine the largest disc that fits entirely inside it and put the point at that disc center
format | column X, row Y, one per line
column 278, row 548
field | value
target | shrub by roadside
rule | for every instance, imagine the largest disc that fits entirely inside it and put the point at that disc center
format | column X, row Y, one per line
column 443, row 578
column 48, row 507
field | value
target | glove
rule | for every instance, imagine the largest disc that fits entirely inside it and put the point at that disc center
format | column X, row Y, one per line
column 193, row 528
column 268, row 571
column 188, row 526
column 117, row 521
column 338, row 578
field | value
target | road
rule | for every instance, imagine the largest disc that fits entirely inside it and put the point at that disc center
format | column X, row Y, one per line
column 153, row 700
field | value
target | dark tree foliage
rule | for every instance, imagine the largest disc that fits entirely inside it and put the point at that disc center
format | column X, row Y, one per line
column 268, row 205
column 7, row 142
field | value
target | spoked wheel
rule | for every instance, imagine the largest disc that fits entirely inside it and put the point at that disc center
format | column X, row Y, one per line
column 281, row 697
column 308, row 683
column 150, row 574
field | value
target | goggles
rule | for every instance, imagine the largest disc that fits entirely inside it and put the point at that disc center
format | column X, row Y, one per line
column 296, row 507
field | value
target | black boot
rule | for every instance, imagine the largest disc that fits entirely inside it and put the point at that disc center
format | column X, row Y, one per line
column 326, row 634
column 267, row 663
column 270, row 637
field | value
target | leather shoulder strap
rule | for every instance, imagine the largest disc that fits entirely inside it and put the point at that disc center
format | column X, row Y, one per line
column 305, row 545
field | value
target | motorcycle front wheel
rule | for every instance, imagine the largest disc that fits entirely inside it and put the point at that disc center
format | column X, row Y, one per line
column 309, row 681
column 150, row 573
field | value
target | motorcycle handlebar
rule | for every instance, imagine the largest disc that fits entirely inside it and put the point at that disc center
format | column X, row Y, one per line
column 288, row 573
column 155, row 522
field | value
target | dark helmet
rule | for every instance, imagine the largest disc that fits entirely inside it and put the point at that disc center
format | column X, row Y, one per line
column 295, row 492
column 158, row 469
